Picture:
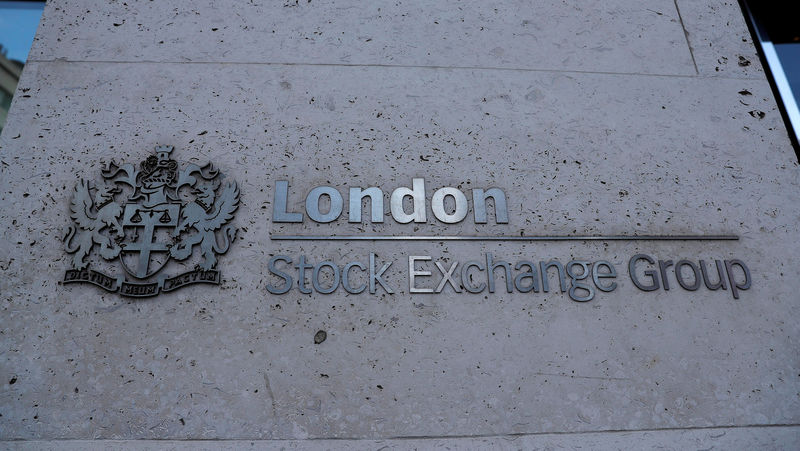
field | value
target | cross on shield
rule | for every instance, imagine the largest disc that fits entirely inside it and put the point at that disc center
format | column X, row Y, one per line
column 146, row 221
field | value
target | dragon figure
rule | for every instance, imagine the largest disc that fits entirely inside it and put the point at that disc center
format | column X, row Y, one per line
column 80, row 240
column 205, row 216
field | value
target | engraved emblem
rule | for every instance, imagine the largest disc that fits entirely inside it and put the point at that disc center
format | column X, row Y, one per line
column 148, row 218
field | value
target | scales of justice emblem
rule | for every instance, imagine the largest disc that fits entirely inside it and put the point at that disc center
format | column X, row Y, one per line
column 145, row 218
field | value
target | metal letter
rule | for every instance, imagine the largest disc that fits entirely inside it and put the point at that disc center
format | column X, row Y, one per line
column 679, row 275
column 575, row 285
column 597, row 275
column 530, row 274
column 447, row 276
column 491, row 266
column 662, row 267
column 287, row 285
column 346, row 278
column 479, row 198
column 301, row 275
column 417, row 194
column 562, row 280
column 735, row 286
column 720, row 283
column 312, row 204
column 650, row 272
column 465, row 277
column 376, row 276
column 412, row 273
column 279, row 205
column 357, row 196
column 437, row 205
column 315, row 277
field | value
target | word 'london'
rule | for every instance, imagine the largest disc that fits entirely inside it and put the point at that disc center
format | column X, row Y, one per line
column 418, row 214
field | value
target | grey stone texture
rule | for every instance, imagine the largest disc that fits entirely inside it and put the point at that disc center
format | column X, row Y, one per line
column 777, row 437
column 596, row 118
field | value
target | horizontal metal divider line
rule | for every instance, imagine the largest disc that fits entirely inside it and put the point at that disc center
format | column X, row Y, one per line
column 505, row 238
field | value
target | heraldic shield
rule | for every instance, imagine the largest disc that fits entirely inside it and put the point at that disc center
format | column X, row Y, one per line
column 147, row 218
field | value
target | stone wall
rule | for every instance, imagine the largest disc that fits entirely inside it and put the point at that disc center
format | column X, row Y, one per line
column 595, row 118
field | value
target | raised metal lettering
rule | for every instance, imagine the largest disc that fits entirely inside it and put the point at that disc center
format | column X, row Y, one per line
column 418, row 196
column 312, row 204
column 479, row 198
column 413, row 273
column 357, row 196
column 437, row 205
column 279, row 204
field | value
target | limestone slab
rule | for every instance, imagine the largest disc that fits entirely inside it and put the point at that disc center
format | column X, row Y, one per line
column 611, row 36
column 772, row 438
column 576, row 154
column 720, row 40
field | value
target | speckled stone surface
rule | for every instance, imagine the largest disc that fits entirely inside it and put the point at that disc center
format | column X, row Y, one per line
column 597, row 119
column 613, row 36
column 776, row 437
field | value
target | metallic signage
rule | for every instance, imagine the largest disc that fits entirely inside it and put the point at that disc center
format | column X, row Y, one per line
column 581, row 279
column 145, row 218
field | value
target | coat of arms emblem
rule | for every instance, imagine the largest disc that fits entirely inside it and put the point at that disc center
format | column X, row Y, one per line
column 144, row 219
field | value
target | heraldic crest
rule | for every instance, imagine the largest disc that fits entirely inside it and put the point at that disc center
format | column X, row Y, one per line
column 147, row 218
